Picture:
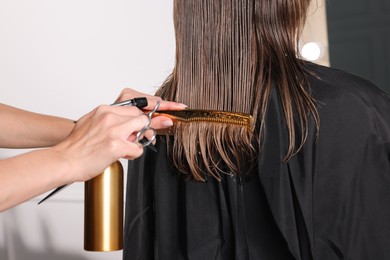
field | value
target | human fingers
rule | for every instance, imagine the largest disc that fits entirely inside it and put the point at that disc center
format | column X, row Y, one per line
column 133, row 151
column 117, row 130
column 145, row 137
column 160, row 122
column 120, row 110
column 127, row 114
column 167, row 105
column 129, row 93
column 104, row 111
column 131, row 128
column 100, row 138
column 105, row 122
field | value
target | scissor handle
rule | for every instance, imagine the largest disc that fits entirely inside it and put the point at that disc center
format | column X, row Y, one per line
column 138, row 102
column 148, row 128
column 148, row 142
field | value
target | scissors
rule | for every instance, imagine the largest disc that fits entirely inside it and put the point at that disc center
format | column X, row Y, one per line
column 144, row 141
column 140, row 139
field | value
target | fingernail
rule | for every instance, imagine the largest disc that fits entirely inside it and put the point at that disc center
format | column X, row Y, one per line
column 167, row 123
column 182, row 105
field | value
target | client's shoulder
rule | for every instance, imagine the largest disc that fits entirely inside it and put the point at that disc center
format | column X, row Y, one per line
column 330, row 84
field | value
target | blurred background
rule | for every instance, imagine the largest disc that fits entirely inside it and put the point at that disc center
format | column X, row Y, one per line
column 359, row 38
column 66, row 57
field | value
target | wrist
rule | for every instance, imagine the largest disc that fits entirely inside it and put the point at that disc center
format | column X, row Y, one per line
column 69, row 162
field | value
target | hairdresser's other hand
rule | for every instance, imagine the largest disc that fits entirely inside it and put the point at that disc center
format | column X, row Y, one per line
column 129, row 93
column 103, row 136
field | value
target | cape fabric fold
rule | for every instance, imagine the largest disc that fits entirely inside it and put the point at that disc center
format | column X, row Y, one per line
column 329, row 201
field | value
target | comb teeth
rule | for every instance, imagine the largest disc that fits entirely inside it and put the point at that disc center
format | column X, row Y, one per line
column 212, row 116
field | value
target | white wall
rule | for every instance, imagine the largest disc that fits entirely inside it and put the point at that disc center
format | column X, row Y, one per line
column 64, row 58
column 316, row 30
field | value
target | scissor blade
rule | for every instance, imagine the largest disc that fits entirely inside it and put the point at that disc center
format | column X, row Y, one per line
column 54, row 192
column 150, row 146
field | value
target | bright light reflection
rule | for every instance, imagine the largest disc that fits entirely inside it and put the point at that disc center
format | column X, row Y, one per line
column 311, row 51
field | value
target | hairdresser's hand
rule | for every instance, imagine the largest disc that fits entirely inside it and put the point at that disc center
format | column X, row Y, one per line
column 102, row 137
column 157, row 122
column 129, row 93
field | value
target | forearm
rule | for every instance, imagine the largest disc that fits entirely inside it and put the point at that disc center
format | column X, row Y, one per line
column 28, row 175
column 24, row 129
column 99, row 138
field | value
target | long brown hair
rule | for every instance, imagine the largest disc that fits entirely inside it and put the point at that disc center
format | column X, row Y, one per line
column 230, row 54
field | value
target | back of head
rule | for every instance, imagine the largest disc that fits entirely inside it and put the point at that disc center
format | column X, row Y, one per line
column 230, row 54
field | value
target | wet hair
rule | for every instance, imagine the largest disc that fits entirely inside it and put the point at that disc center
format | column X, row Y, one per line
column 230, row 55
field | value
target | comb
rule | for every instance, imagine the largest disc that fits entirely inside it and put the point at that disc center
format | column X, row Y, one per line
column 198, row 115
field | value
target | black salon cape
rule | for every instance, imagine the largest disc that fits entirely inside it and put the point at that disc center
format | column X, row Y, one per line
column 330, row 201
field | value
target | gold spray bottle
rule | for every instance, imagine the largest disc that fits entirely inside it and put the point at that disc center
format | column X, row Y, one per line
column 103, row 211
